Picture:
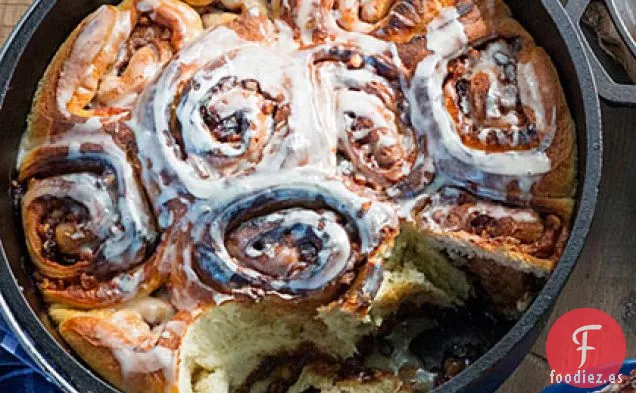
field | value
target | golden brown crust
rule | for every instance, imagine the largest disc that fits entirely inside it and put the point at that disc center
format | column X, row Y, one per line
column 560, row 182
column 530, row 240
column 88, row 66
column 44, row 122
column 84, row 335
column 88, row 292
column 122, row 344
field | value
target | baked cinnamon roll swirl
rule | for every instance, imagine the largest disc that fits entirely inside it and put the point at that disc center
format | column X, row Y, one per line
column 134, row 345
column 398, row 21
column 89, row 230
column 378, row 147
column 293, row 239
column 213, row 114
column 226, row 118
column 490, row 105
column 106, row 63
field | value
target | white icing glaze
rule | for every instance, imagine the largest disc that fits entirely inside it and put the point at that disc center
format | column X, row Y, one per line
column 300, row 185
column 297, row 153
column 280, row 75
column 153, row 310
column 489, row 172
column 445, row 36
column 530, row 95
column 117, row 209
column 79, row 73
column 157, row 358
column 427, row 81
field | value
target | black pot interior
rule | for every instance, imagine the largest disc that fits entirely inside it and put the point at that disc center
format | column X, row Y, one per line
column 58, row 18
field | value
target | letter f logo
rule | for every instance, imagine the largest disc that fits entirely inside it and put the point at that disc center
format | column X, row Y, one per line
column 589, row 338
column 583, row 343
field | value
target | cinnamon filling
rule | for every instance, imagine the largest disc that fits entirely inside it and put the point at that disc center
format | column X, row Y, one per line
column 146, row 33
column 63, row 232
column 380, row 148
column 230, row 123
column 286, row 251
column 423, row 346
column 149, row 46
column 482, row 96
column 524, row 230
column 239, row 117
column 376, row 144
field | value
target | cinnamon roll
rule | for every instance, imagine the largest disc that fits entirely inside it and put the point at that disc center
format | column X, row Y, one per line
column 378, row 148
column 399, row 21
column 492, row 101
column 297, row 239
column 248, row 196
column 106, row 62
column 212, row 115
column 134, row 345
column 89, row 229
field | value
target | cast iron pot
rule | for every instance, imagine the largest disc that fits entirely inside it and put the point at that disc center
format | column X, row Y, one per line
column 48, row 22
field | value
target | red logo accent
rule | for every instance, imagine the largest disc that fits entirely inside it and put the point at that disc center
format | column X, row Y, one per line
column 585, row 346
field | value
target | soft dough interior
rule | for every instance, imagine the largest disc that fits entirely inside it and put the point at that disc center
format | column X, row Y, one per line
column 230, row 341
column 227, row 343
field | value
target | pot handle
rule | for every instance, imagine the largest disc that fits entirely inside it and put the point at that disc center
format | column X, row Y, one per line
column 607, row 87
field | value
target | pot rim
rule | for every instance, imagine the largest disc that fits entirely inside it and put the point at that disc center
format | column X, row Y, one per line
column 16, row 316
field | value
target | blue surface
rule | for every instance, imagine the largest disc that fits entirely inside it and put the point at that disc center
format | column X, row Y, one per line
column 628, row 366
column 18, row 373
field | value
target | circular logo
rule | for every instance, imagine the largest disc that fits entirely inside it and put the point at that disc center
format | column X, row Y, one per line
column 585, row 348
